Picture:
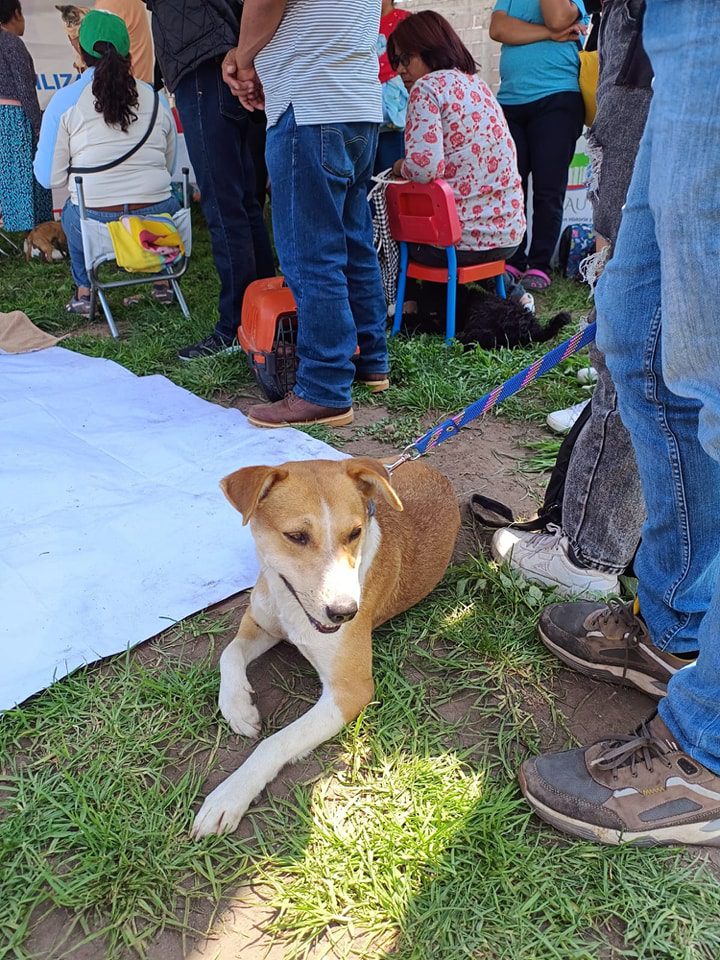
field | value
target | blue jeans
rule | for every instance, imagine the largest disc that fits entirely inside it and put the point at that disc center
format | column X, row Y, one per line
column 70, row 218
column 218, row 134
column 659, row 331
column 323, row 234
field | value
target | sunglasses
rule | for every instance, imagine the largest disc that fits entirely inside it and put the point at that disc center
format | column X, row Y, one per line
column 403, row 59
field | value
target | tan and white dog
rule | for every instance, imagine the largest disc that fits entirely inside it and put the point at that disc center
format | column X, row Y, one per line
column 341, row 550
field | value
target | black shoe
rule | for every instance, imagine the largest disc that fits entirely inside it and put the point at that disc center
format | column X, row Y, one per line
column 209, row 347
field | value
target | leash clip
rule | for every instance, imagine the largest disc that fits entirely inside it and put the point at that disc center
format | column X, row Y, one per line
column 409, row 453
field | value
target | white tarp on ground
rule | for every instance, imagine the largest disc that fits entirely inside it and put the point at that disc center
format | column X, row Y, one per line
column 112, row 524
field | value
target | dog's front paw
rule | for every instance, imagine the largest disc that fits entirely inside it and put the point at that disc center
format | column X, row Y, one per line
column 221, row 812
column 239, row 711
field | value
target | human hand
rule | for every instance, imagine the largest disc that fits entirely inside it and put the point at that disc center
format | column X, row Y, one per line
column 573, row 32
column 397, row 168
column 251, row 95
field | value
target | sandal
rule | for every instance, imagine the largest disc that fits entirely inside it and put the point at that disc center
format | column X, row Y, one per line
column 535, row 280
column 79, row 306
column 163, row 293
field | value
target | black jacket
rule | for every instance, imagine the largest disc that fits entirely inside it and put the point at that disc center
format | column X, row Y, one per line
column 189, row 32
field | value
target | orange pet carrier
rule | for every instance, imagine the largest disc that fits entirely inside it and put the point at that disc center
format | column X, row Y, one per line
column 267, row 334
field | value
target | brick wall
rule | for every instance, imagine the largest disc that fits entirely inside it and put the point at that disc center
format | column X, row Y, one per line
column 471, row 19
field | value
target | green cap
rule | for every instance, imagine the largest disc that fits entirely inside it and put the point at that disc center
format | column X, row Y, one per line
column 100, row 26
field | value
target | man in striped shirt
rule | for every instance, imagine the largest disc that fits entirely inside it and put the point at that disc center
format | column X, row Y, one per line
column 312, row 64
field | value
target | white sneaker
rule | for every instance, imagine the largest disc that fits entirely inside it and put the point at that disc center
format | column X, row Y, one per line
column 562, row 421
column 587, row 376
column 544, row 558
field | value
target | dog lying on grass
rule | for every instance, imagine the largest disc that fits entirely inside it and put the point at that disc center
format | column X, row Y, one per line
column 47, row 240
column 341, row 550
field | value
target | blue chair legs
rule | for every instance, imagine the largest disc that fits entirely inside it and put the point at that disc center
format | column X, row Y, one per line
column 400, row 296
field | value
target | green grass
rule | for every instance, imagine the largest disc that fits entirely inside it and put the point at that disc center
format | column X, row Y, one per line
column 412, row 839
column 426, row 376
column 414, row 836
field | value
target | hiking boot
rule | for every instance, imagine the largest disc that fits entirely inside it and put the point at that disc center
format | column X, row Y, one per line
column 562, row 421
column 641, row 789
column 293, row 411
column 209, row 347
column 609, row 642
column 545, row 558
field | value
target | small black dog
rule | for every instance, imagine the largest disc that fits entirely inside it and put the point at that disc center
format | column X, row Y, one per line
column 481, row 318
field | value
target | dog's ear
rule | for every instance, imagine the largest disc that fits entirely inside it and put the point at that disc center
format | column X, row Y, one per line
column 248, row 487
column 372, row 477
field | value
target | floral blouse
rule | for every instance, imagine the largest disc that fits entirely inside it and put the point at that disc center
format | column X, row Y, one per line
column 456, row 131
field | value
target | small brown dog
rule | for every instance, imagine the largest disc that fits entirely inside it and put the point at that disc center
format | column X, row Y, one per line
column 341, row 550
column 47, row 240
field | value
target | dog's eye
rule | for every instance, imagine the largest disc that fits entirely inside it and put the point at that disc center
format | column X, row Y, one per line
column 298, row 537
column 354, row 534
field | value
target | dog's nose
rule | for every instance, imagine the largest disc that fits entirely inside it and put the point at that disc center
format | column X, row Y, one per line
column 341, row 612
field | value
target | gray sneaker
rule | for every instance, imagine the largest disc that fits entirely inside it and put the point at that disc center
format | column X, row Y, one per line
column 642, row 789
column 609, row 642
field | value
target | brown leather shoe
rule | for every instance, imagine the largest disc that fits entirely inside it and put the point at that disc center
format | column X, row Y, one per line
column 293, row 411
column 375, row 382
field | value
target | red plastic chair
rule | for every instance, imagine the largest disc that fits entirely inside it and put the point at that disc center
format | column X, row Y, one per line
column 426, row 213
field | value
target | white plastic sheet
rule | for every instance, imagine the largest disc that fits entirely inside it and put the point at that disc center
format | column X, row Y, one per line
column 112, row 524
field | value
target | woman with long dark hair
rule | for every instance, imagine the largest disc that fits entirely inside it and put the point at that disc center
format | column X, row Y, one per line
column 112, row 128
column 455, row 131
column 23, row 202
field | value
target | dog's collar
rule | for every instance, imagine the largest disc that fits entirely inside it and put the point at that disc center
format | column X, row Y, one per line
column 320, row 627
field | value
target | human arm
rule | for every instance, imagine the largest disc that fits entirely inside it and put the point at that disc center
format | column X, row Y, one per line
column 516, row 33
column 52, row 157
column 22, row 69
column 258, row 26
column 170, row 132
column 424, row 151
column 559, row 14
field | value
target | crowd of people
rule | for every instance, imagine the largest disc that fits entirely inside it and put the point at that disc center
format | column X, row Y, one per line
column 316, row 98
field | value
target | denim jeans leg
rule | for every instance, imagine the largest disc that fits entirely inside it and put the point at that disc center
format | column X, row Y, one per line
column 314, row 171
column 217, row 133
column 603, row 507
column 659, row 334
column 70, row 219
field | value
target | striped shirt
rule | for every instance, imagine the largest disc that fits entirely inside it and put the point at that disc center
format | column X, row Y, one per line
column 323, row 61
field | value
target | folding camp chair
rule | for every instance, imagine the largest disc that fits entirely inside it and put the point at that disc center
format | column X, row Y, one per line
column 98, row 249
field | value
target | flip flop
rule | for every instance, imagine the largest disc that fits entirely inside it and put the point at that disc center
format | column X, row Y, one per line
column 535, row 280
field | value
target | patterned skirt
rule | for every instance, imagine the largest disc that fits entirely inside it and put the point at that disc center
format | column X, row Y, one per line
column 23, row 202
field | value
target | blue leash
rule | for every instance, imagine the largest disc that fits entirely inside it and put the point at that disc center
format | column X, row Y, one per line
column 453, row 425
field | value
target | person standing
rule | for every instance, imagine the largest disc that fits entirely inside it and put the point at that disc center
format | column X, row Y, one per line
column 23, row 202
column 540, row 96
column 660, row 784
column 314, row 68
column 134, row 14
column 603, row 508
column 191, row 39
column 391, row 140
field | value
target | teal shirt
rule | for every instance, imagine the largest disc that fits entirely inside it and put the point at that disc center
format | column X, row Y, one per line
column 536, row 70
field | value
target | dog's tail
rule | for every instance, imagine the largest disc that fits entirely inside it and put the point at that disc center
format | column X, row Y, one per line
column 552, row 327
